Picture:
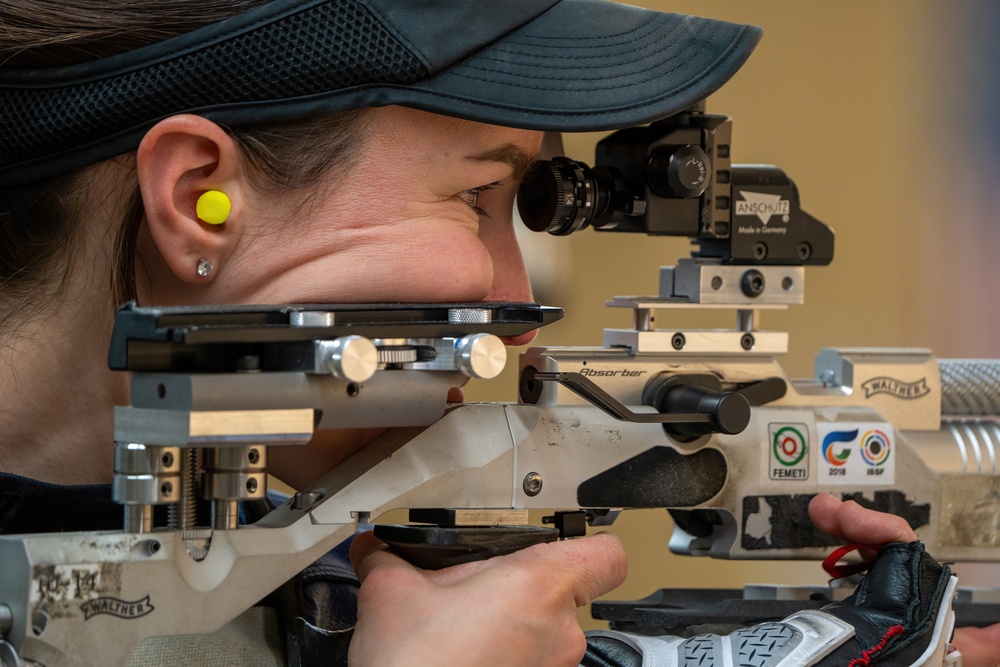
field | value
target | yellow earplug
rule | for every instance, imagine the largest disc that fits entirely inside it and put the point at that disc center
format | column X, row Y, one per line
column 213, row 207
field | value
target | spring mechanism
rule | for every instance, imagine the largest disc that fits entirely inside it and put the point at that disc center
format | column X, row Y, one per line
column 184, row 515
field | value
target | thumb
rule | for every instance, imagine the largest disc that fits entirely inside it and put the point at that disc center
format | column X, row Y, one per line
column 592, row 566
column 980, row 647
column 369, row 553
column 849, row 521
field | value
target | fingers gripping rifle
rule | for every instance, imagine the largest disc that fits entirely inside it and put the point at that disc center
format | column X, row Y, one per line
column 703, row 423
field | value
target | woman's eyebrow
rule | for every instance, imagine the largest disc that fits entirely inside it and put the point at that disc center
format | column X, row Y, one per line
column 520, row 161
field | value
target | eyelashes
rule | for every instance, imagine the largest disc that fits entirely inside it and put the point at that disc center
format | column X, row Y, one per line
column 471, row 197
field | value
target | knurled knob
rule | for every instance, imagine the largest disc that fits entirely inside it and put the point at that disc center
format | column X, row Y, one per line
column 480, row 355
column 352, row 358
column 470, row 316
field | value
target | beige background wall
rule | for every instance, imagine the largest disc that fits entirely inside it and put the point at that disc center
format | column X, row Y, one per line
column 852, row 99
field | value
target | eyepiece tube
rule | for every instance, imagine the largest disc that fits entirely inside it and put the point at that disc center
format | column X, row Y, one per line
column 560, row 197
column 563, row 196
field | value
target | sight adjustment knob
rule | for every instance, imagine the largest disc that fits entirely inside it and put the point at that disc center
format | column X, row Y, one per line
column 678, row 172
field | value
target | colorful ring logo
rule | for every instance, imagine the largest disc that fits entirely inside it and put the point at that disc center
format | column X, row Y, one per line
column 875, row 447
column 789, row 446
column 833, row 437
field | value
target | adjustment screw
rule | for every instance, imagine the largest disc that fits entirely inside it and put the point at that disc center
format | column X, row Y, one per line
column 470, row 316
column 752, row 283
column 480, row 356
column 248, row 363
column 529, row 389
column 39, row 621
column 6, row 619
column 683, row 172
column 166, row 489
column 305, row 319
column 252, row 485
column 678, row 341
column 532, row 484
column 804, row 251
column 747, row 341
column 352, row 358
column 760, row 251
column 303, row 500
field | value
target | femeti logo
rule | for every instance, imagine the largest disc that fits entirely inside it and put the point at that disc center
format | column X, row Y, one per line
column 789, row 451
column 763, row 205
column 788, row 445
column 832, row 438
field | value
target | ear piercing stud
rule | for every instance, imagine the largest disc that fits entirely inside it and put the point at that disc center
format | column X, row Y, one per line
column 213, row 207
column 204, row 268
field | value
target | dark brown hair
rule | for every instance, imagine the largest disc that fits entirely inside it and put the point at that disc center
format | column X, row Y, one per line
column 39, row 222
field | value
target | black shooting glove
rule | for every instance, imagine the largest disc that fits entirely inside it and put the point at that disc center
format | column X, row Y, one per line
column 899, row 616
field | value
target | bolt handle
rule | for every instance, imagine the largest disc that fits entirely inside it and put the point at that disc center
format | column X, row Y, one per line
column 763, row 391
column 584, row 387
column 728, row 411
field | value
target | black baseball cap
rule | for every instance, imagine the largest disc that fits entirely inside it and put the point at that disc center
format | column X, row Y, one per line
column 563, row 65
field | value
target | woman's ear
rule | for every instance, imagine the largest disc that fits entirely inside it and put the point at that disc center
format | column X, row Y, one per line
column 180, row 159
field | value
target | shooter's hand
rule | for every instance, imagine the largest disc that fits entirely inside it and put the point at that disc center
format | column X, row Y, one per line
column 980, row 647
column 510, row 610
column 851, row 522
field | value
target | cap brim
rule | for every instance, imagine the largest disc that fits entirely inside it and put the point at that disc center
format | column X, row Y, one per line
column 589, row 65
column 574, row 66
column 580, row 66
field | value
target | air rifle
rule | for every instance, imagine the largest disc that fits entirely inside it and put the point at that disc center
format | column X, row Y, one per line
column 703, row 423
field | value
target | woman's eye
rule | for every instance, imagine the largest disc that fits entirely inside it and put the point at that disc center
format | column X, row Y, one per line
column 471, row 197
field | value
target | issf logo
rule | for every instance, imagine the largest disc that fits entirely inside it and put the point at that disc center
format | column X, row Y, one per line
column 836, row 458
column 875, row 447
column 858, row 453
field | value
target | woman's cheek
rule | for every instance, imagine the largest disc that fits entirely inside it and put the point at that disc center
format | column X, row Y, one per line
column 457, row 269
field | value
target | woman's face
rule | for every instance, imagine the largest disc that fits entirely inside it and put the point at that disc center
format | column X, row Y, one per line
column 425, row 215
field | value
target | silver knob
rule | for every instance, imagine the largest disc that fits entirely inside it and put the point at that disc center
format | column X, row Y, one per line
column 480, row 355
column 305, row 319
column 470, row 316
column 353, row 358
column 6, row 619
